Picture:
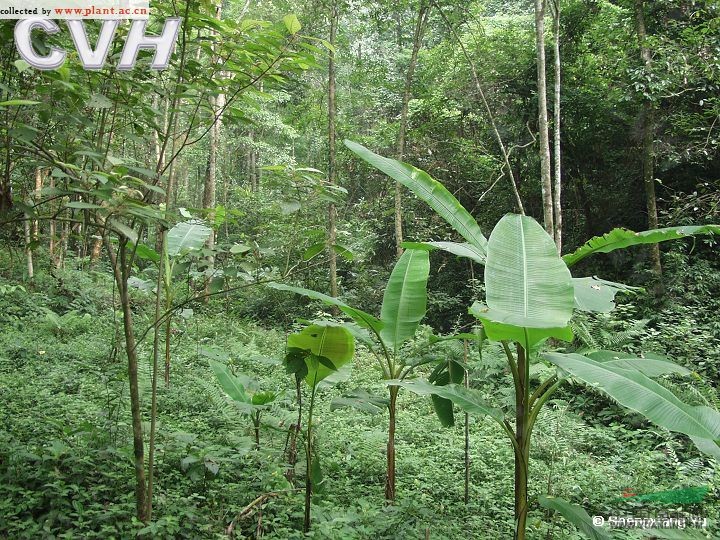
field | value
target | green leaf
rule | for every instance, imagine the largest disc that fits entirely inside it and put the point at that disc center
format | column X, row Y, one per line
column 229, row 382
column 123, row 229
column 292, row 24
column 498, row 331
column 593, row 294
column 637, row 392
column 98, row 101
column 361, row 400
column 405, row 299
column 650, row 366
column 18, row 102
column 467, row 399
column 429, row 190
column 146, row 252
column 574, row 514
column 331, row 342
column 527, row 284
column 239, row 248
column 82, row 205
column 343, row 251
column 313, row 250
column 450, row 373
column 622, row 238
column 186, row 236
column 360, row 317
column 21, row 65
column 461, row 249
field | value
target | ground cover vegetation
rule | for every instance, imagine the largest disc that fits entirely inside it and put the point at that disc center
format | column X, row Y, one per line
column 401, row 269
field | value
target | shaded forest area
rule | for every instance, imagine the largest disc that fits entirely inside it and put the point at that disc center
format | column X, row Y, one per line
column 354, row 269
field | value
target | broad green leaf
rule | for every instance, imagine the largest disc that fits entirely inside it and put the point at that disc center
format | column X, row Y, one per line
column 639, row 393
column 622, row 238
column 123, row 229
column 461, row 249
column 650, row 366
column 527, row 284
column 329, row 342
column 597, row 295
column 499, row 331
column 574, row 514
column 292, row 24
column 361, row 400
column 18, row 102
column 186, row 236
column 467, row 399
column 313, row 250
column 451, row 373
column 229, row 382
column 338, row 376
column 144, row 251
column 405, row 299
column 80, row 205
column 429, row 190
column 360, row 317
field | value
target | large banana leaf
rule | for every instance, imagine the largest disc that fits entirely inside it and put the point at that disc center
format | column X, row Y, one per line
column 467, row 399
column 622, row 238
column 461, row 249
column 597, row 295
column 327, row 343
column 186, row 236
column 527, row 284
column 362, row 318
column 405, row 299
column 651, row 365
column 636, row 391
column 231, row 384
column 574, row 514
column 497, row 331
column 449, row 372
column 429, row 190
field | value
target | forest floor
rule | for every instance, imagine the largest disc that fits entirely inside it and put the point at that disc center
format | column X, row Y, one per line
column 66, row 451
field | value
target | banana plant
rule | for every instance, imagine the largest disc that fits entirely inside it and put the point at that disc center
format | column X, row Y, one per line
column 530, row 297
column 239, row 389
column 184, row 238
column 315, row 354
column 403, row 307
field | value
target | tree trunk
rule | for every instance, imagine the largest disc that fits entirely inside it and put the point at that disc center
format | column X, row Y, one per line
column 208, row 203
column 332, row 175
column 557, row 191
column 121, row 272
column 648, row 136
column 420, row 23
column 545, row 176
column 390, row 477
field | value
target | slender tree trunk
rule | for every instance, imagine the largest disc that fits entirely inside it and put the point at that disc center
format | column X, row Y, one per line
column 420, row 24
column 545, row 176
column 27, row 224
column 390, row 478
column 332, row 174
column 648, row 136
column 52, row 228
column 121, row 273
column 208, row 203
column 557, row 191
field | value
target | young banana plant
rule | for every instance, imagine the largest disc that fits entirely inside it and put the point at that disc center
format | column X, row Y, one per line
column 313, row 355
column 530, row 297
column 403, row 307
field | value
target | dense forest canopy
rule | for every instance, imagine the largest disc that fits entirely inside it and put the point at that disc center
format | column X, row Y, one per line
column 356, row 269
